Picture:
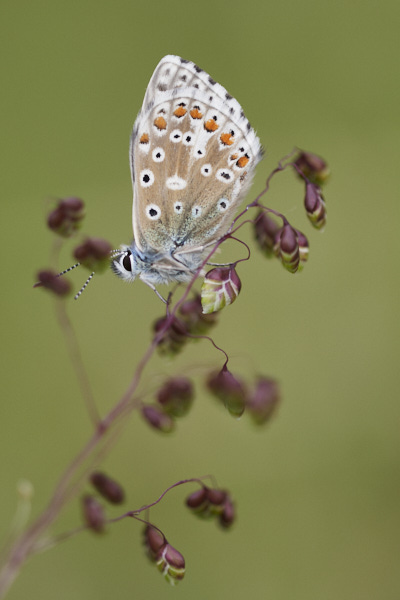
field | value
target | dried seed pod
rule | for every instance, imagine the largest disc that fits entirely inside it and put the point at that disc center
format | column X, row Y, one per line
column 266, row 230
column 287, row 248
column 107, row 487
column 228, row 515
column 173, row 338
column 313, row 167
column 66, row 218
column 198, row 502
column 53, row 282
column 94, row 254
column 191, row 312
column 176, row 396
column 153, row 540
column 315, row 205
column 93, row 513
column 158, row 419
column 229, row 390
column 221, row 287
column 263, row 400
column 216, row 500
column 171, row 563
column 303, row 246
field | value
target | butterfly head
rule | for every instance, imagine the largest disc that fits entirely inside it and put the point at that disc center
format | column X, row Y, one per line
column 125, row 264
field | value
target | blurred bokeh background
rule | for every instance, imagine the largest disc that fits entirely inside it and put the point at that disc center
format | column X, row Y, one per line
column 317, row 490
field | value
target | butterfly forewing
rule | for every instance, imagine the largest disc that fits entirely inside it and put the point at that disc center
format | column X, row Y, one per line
column 193, row 154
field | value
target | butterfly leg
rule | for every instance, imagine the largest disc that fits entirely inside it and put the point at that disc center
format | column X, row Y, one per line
column 155, row 291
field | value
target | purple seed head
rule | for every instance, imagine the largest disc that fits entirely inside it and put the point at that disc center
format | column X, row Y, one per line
column 107, row 487
column 53, row 282
column 93, row 513
column 313, row 167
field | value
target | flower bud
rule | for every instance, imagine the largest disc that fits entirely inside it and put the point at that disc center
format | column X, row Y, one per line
column 93, row 513
column 229, row 390
column 265, row 230
column 221, row 287
column 171, row 563
column 198, row 502
column 191, row 312
column 216, row 500
column 228, row 515
column 209, row 503
column 287, row 248
column 66, row 218
column 158, row 419
column 315, row 206
column 173, row 338
column 303, row 246
column 263, row 400
column 153, row 540
column 53, row 282
column 313, row 167
column 107, row 487
column 94, row 254
column 176, row 396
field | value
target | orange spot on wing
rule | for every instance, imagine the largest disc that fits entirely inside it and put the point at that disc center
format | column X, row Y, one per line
column 180, row 111
column 234, row 156
column 144, row 139
column 211, row 125
column 226, row 139
column 160, row 123
column 196, row 114
column 242, row 162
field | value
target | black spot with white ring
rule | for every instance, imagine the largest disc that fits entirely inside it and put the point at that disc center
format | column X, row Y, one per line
column 146, row 178
column 178, row 207
column 158, row 155
column 223, row 204
column 188, row 139
column 175, row 136
column 224, row 175
column 206, row 170
column 153, row 212
column 196, row 211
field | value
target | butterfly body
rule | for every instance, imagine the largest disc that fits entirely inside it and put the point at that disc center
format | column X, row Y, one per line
column 192, row 155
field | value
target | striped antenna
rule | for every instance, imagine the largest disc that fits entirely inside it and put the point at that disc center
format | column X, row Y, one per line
column 84, row 286
column 69, row 269
column 116, row 252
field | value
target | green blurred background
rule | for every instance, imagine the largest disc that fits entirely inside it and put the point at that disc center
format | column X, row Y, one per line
column 318, row 489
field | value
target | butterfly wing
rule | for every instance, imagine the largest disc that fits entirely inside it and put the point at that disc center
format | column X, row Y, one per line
column 193, row 154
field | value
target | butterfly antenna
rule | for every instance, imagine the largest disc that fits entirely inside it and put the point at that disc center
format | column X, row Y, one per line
column 39, row 283
column 69, row 269
column 84, row 285
column 116, row 252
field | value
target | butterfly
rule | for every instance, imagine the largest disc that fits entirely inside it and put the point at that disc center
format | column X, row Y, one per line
column 192, row 157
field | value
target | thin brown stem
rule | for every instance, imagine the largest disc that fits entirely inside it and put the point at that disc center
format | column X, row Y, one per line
column 77, row 362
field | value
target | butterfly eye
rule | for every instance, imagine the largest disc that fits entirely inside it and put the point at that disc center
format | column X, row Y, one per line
column 126, row 262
